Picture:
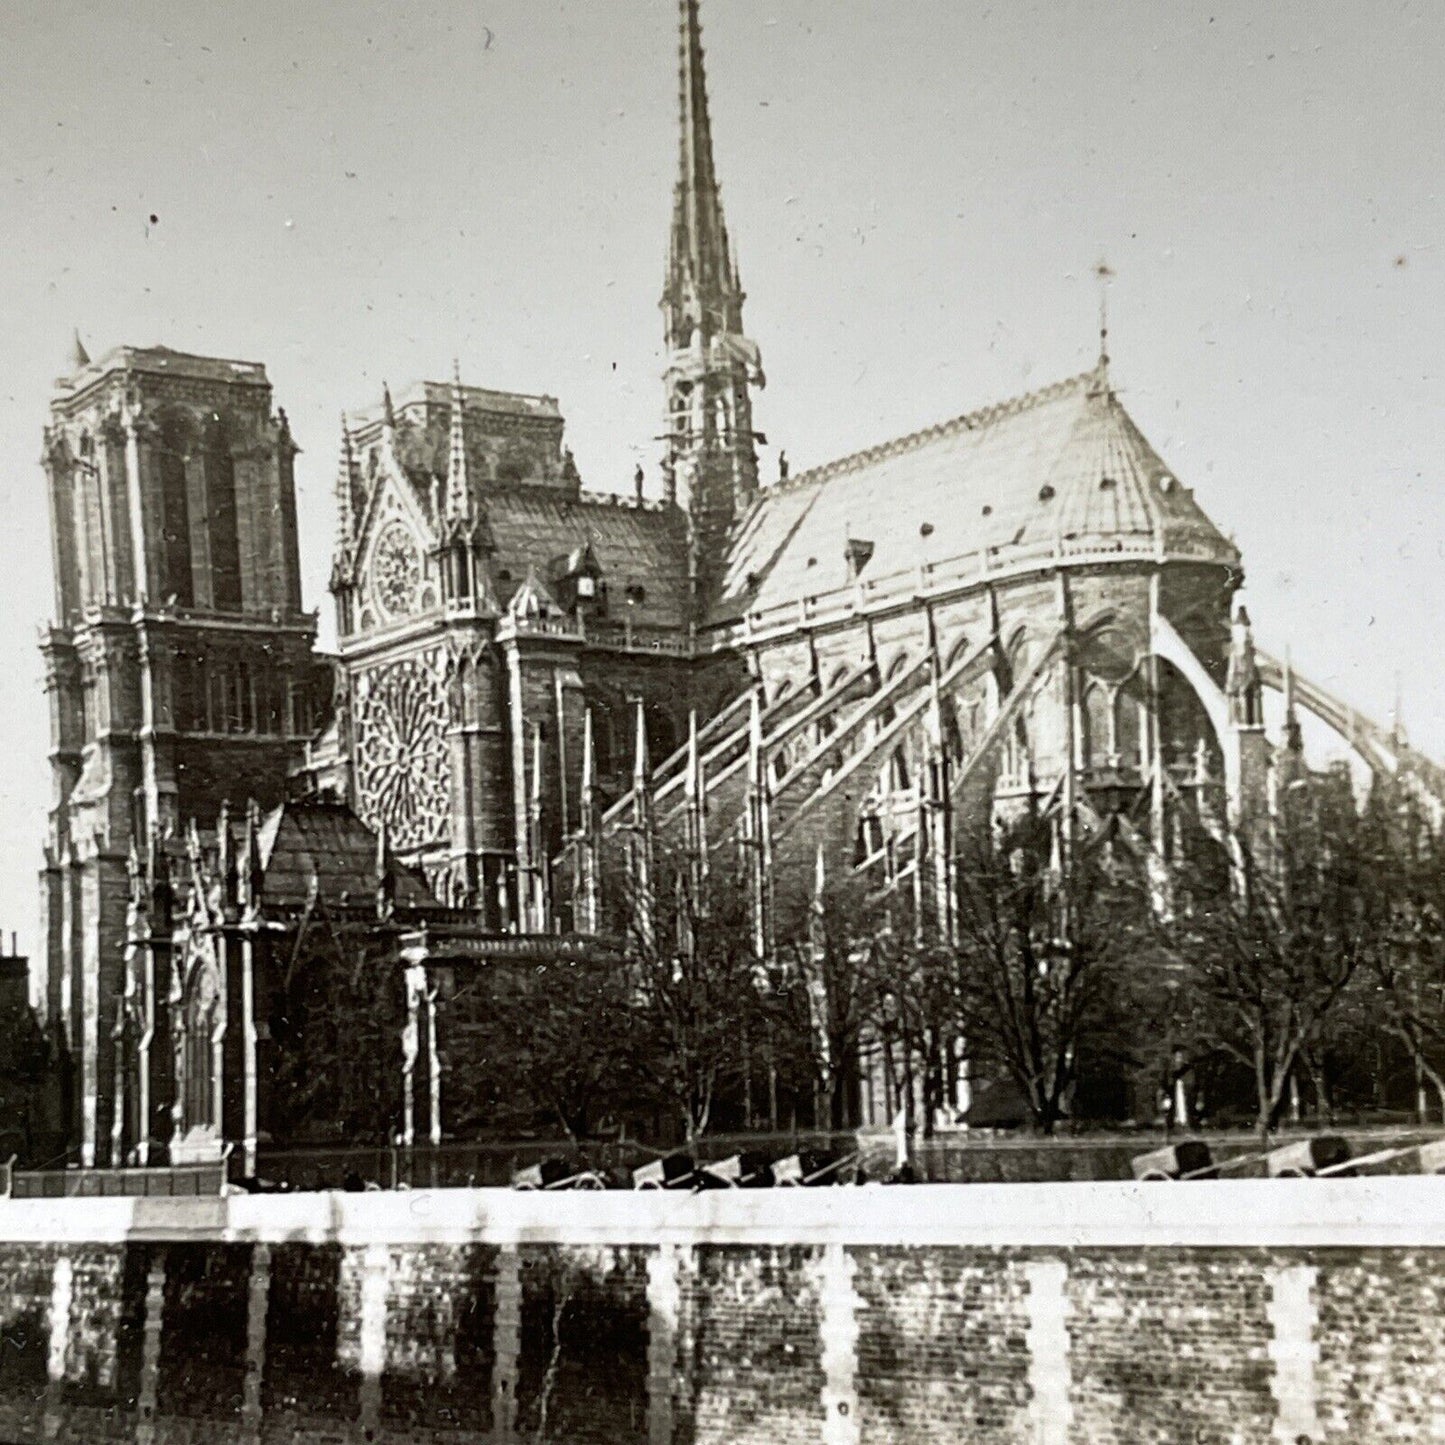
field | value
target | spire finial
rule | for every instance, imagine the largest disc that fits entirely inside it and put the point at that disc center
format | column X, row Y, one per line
column 79, row 356
column 388, row 412
column 1293, row 737
column 383, row 875
column 254, row 872
column 589, row 772
column 459, row 492
column 1104, row 274
column 640, row 764
column 1397, row 713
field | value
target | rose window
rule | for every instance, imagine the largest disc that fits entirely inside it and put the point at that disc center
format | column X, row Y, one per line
column 396, row 570
column 401, row 753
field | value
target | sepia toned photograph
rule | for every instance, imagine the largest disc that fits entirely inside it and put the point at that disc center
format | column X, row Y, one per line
column 724, row 722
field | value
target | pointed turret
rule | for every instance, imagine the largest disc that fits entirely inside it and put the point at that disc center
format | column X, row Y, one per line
column 388, row 412
column 541, row 913
column 459, row 493
column 815, row 969
column 1397, row 716
column 158, row 876
column 1293, row 739
column 758, row 837
column 383, row 878
column 640, row 860
column 345, row 494
column 695, row 791
column 343, row 551
column 225, row 856
column 253, row 872
column 587, row 801
column 640, row 766
column 588, row 900
column 79, row 356
column 1241, row 683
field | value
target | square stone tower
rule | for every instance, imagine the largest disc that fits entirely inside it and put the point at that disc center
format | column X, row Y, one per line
column 179, row 664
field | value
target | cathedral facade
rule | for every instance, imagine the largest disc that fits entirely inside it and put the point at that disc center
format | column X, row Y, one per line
column 1021, row 606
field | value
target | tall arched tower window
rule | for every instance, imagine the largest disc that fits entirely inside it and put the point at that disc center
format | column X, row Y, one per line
column 221, row 501
column 175, row 514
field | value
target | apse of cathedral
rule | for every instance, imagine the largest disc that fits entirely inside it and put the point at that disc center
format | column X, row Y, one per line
column 1020, row 608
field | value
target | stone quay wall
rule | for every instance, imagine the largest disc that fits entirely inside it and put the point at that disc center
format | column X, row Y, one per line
column 1248, row 1311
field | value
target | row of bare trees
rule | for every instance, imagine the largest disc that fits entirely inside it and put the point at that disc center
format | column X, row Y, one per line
column 1307, row 962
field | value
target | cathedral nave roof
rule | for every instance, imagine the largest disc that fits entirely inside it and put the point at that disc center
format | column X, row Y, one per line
column 1062, row 469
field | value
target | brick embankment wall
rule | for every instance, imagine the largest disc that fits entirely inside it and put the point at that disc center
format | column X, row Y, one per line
column 1242, row 1312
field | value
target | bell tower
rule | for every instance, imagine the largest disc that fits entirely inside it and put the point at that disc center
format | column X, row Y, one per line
column 178, row 665
column 711, row 463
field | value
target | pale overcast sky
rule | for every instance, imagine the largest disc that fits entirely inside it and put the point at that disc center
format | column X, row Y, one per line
column 918, row 191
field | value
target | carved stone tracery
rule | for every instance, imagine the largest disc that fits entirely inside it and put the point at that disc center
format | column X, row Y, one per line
column 401, row 749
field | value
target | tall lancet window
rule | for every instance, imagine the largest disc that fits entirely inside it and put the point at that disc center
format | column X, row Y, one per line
column 175, row 514
column 221, row 496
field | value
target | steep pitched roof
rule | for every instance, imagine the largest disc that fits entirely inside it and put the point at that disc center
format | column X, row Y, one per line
column 638, row 547
column 323, row 839
column 1061, row 469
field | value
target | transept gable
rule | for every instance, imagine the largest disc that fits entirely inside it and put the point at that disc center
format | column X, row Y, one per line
column 394, row 552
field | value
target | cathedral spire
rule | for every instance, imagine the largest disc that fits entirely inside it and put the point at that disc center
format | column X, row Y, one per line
column 711, row 462
column 700, row 251
column 79, row 356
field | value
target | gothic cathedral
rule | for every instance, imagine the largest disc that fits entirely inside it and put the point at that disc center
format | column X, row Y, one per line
column 1020, row 607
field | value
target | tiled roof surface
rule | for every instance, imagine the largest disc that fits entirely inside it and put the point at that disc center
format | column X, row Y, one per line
column 1060, row 465
column 326, row 840
column 634, row 546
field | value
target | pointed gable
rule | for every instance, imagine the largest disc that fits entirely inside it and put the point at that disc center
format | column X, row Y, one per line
column 533, row 600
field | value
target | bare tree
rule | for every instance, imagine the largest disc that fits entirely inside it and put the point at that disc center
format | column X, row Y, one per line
column 1045, row 934
column 1405, row 974
column 333, row 1025
column 553, row 1043
column 830, row 953
column 1268, row 954
column 690, row 964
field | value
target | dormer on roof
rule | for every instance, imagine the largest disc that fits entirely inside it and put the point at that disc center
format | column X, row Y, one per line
column 533, row 601
column 858, row 552
column 578, row 583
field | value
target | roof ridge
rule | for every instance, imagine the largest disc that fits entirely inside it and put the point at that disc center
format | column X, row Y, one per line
column 967, row 421
column 621, row 500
